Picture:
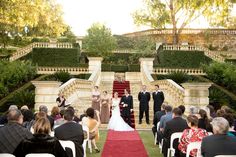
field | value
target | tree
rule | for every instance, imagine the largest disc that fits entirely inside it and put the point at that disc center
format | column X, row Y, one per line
column 39, row 16
column 180, row 13
column 99, row 40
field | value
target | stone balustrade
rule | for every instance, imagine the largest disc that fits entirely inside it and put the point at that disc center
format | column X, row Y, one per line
column 73, row 85
column 27, row 49
column 164, row 71
column 211, row 54
column 174, row 93
column 71, row 70
column 184, row 31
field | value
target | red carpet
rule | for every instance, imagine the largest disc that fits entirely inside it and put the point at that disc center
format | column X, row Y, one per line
column 119, row 87
column 123, row 144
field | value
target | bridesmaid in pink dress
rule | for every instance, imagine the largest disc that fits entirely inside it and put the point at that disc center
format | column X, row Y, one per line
column 96, row 96
column 105, row 107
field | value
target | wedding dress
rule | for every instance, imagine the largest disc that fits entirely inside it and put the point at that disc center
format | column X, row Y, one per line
column 116, row 122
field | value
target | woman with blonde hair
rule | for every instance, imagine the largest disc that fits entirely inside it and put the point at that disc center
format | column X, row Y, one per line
column 41, row 142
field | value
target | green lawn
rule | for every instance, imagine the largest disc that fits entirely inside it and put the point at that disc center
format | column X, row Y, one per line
column 146, row 136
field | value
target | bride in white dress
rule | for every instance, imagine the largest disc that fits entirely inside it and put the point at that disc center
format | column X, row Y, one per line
column 116, row 122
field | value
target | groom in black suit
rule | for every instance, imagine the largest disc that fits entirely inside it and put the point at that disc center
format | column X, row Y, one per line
column 127, row 104
column 144, row 97
column 158, row 98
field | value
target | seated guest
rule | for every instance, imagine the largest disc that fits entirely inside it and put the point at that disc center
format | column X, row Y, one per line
column 75, row 118
column 182, row 108
column 204, row 121
column 194, row 134
column 72, row 131
column 157, row 118
column 3, row 118
column 212, row 111
column 37, row 116
column 230, row 118
column 55, row 113
column 93, row 125
column 41, row 142
column 44, row 108
column 193, row 110
column 219, row 143
column 177, row 124
column 28, row 116
column 13, row 132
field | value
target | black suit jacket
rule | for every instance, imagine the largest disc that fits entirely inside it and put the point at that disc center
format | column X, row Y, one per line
column 129, row 101
column 218, row 145
column 158, row 98
column 71, row 131
column 157, row 117
column 177, row 124
column 144, row 100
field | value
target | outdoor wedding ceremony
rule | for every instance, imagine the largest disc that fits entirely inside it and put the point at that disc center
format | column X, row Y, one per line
column 117, row 78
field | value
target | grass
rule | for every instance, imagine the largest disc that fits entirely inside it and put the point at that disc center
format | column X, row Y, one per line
column 146, row 136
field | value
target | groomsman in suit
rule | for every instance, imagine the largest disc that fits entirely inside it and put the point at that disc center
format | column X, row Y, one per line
column 144, row 98
column 127, row 104
column 158, row 98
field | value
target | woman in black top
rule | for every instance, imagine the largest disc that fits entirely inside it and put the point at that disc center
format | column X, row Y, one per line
column 204, row 121
column 41, row 142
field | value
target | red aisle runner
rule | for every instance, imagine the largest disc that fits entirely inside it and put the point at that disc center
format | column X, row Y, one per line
column 123, row 144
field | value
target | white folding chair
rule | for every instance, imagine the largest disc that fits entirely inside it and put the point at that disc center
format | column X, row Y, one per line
column 85, row 128
column 68, row 144
column 210, row 133
column 155, row 140
column 161, row 145
column 171, row 150
column 6, row 155
column 194, row 145
column 39, row 155
column 225, row 156
column 52, row 133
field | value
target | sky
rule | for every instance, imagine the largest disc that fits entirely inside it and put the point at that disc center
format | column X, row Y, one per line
column 115, row 14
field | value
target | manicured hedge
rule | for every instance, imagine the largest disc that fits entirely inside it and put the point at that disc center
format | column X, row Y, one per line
column 121, row 68
column 181, row 59
column 57, row 57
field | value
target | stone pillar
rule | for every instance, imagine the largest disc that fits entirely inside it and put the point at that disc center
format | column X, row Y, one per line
column 94, row 63
column 148, row 62
column 53, row 43
column 196, row 94
column 46, row 93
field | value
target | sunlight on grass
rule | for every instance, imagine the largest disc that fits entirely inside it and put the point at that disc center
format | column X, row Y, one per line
column 146, row 136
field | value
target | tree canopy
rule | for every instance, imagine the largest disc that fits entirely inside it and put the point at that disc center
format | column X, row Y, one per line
column 179, row 13
column 35, row 18
column 99, row 40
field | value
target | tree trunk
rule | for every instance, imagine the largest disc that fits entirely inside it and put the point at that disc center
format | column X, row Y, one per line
column 175, row 36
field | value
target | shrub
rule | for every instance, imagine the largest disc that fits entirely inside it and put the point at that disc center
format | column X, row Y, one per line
column 40, row 40
column 134, row 67
column 106, row 67
column 3, row 90
column 83, row 76
column 179, row 77
column 119, row 68
column 62, row 76
column 25, row 97
column 181, row 59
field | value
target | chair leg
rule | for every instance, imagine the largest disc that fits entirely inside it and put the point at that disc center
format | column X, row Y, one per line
column 168, row 152
column 90, row 145
column 155, row 140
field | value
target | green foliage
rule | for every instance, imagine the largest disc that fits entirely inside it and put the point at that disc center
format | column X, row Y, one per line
column 62, row 76
column 121, row 67
column 25, row 97
column 14, row 74
column 57, row 57
column 83, row 76
column 144, row 45
column 222, row 74
column 181, row 59
column 99, row 40
column 124, row 42
column 40, row 39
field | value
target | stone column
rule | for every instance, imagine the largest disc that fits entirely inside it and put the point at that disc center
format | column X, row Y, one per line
column 196, row 94
column 53, row 43
column 148, row 62
column 46, row 93
column 94, row 63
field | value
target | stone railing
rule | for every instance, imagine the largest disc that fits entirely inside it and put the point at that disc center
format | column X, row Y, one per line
column 184, row 31
column 95, row 77
column 212, row 54
column 124, row 51
column 71, row 70
column 27, row 49
column 174, row 93
column 21, row 52
column 73, row 85
column 164, row 71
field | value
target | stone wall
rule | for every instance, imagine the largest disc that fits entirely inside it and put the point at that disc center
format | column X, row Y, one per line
column 204, row 37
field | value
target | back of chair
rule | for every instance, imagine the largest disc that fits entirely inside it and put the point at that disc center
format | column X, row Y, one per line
column 39, row 155
column 6, row 155
column 86, row 129
column 193, row 145
column 68, row 144
column 225, row 156
column 176, row 135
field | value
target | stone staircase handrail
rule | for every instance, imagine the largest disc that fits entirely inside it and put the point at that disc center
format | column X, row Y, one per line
column 95, row 76
column 189, row 71
column 27, row 49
